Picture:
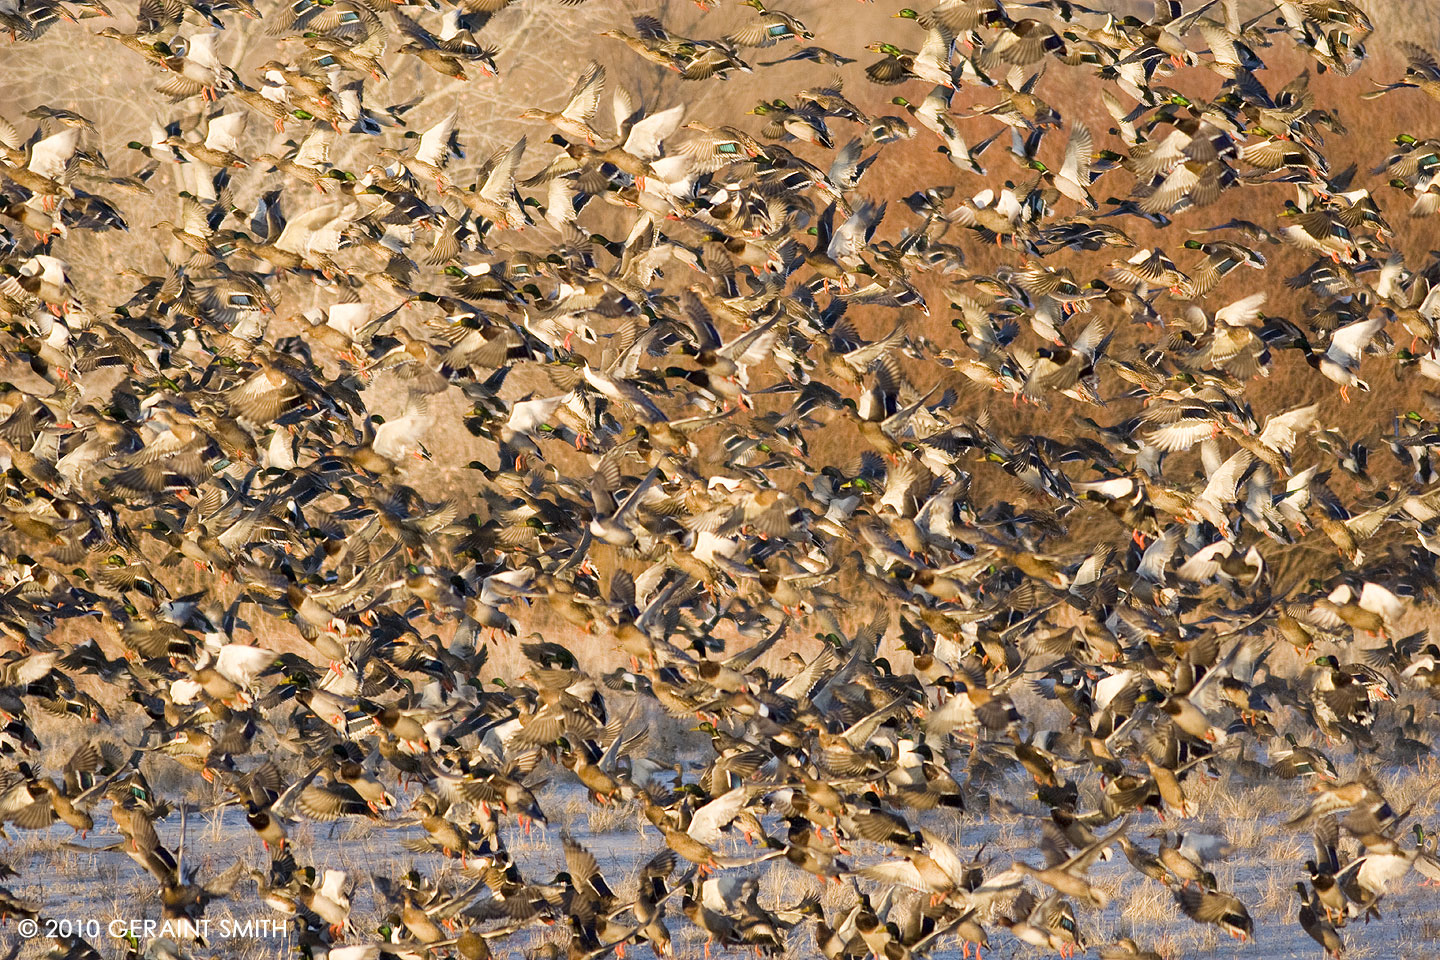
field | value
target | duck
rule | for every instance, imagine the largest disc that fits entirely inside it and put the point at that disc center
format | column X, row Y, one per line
column 801, row 123
column 493, row 194
column 650, row 41
column 769, row 26
column 1049, row 923
column 1421, row 73
column 1065, row 875
column 329, row 901
column 1340, row 362
column 45, row 171
column 1341, row 699
column 446, row 57
column 930, row 63
column 933, row 114
column 1226, row 911
column 938, row 874
column 573, row 121
column 1320, row 930
column 995, row 216
column 222, row 139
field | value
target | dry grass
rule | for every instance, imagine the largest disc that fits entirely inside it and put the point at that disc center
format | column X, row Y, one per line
column 1276, row 896
column 1285, row 849
column 1244, row 831
column 1416, row 786
column 607, row 818
column 1150, row 905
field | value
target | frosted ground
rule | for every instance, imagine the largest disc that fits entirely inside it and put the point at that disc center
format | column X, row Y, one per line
column 107, row 885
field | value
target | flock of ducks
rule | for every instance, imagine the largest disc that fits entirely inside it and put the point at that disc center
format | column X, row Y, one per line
column 1050, row 480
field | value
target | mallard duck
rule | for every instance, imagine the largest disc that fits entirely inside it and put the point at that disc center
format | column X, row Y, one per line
column 493, row 194
column 770, row 26
column 1318, row 231
column 1340, row 702
column 787, row 122
column 711, row 148
column 573, row 121
column 697, row 60
column 330, row 901
column 938, row 873
column 1214, row 906
column 931, row 63
column 1421, row 72
column 650, row 40
column 46, row 171
column 1321, row 931
column 814, row 54
column 1049, row 923
column 446, row 57
column 831, row 99
column 1065, row 875
column 958, row 16
column 994, row 215
column 933, row 114
column 1021, row 43
column 1021, row 109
